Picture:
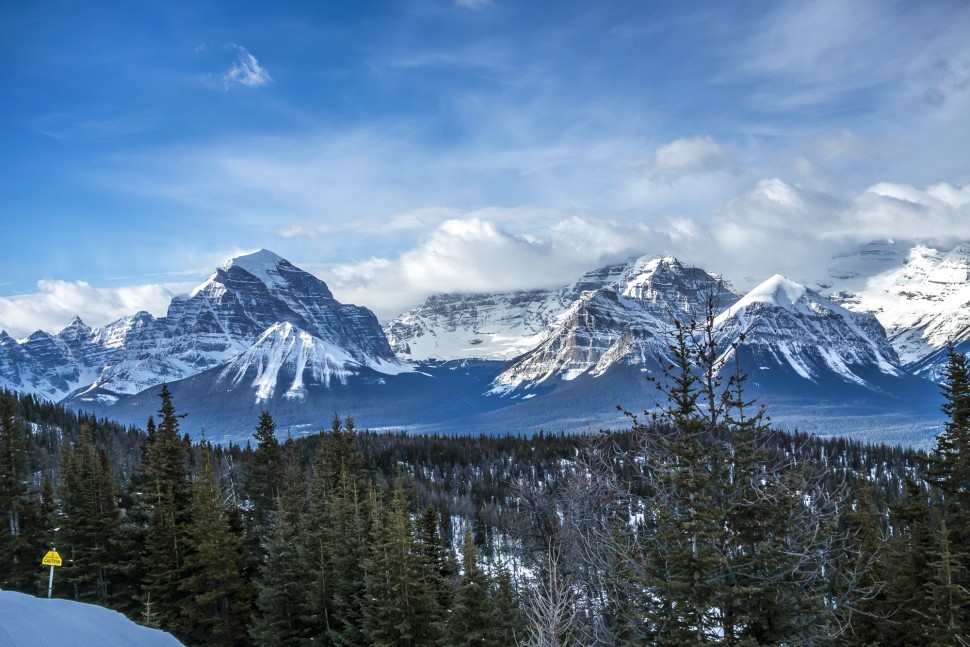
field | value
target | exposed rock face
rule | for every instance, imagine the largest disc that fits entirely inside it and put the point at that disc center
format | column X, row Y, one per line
column 221, row 319
column 457, row 326
column 783, row 324
column 628, row 319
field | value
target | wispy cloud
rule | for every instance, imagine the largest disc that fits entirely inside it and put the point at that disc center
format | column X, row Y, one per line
column 474, row 4
column 689, row 157
column 57, row 302
column 246, row 70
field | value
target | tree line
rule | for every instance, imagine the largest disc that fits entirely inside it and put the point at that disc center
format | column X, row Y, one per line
column 699, row 524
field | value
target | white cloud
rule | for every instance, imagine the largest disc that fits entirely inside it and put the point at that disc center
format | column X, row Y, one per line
column 57, row 302
column 938, row 214
column 475, row 255
column 786, row 228
column 474, row 4
column 689, row 157
column 305, row 230
column 246, row 70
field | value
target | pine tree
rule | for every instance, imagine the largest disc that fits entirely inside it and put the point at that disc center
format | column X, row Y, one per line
column 169, row 489
column 282, row 581
column 21, row 523
column 91, row 520
column 261, row 485
column 472, row 615
column 334, row 533
column 402, row 605
column 216, row 599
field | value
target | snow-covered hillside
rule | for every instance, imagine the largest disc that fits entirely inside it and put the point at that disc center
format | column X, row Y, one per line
column 784, row 324
column 923, row 302
column 26, row 621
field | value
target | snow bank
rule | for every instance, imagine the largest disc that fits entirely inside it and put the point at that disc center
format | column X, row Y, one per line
column 26, row 621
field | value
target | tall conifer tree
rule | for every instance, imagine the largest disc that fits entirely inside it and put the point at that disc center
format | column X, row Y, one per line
column 169, row 489
column 21, row 522
column 282, row 582
column 261, row 485
column 216, row 599
column 91, row 521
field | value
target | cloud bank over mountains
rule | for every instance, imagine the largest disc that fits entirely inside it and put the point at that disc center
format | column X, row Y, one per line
column 407, row 148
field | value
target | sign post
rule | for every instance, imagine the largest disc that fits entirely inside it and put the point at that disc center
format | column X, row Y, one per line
column 51, row 559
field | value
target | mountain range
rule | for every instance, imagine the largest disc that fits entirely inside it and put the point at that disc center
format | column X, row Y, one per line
column 854, row 352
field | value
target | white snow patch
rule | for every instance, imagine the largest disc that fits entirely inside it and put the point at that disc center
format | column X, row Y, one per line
column 573, row 373
column 26, row 621
column 262, row 264
column 800, row 368
column 838, row 365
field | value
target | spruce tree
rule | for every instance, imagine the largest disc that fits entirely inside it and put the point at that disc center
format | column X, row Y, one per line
column 950, row 469
column 470, row 621
column 732, row 537
column 402, row 605
column 91, row 521
column 950, row 472
column 169, row 490
column 282, row 581
column 947, row 599
column 21, row 522
column 216, row 599
column 261, row 484
column 508, row 626
column 437, row 561
column 334, row 539
column 909, row 571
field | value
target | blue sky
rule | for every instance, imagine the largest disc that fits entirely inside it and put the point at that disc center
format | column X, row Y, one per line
column 401, row 148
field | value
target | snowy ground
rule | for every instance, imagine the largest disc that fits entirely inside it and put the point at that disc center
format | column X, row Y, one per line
column 26, row 621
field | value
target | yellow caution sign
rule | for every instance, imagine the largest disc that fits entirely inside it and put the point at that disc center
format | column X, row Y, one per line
column 52, row 559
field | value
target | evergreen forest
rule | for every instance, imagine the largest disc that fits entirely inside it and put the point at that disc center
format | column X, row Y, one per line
column 697, row 524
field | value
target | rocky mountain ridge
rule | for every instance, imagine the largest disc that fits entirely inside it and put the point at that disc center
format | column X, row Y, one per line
column 261, row 332
column 222, row 319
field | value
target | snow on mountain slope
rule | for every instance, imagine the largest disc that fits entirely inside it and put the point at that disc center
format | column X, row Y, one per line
column 26, row 621
column 488, row 326
column 506, row 325
column 785, row 324
column 922, row 303
column 492, row 326
column 216, row 322
column 624, row 321
column 286, row 358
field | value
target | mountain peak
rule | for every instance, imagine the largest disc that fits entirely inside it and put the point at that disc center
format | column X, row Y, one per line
column 258, row 263
column 777, row 290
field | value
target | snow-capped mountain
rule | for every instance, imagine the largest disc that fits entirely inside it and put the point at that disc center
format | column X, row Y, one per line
column 235, row 314
column 285, row 356
column 497, row 326
column 261, row 332
column 456, row 326
column 786, row 329
column 626, row 320
column 923, row 302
